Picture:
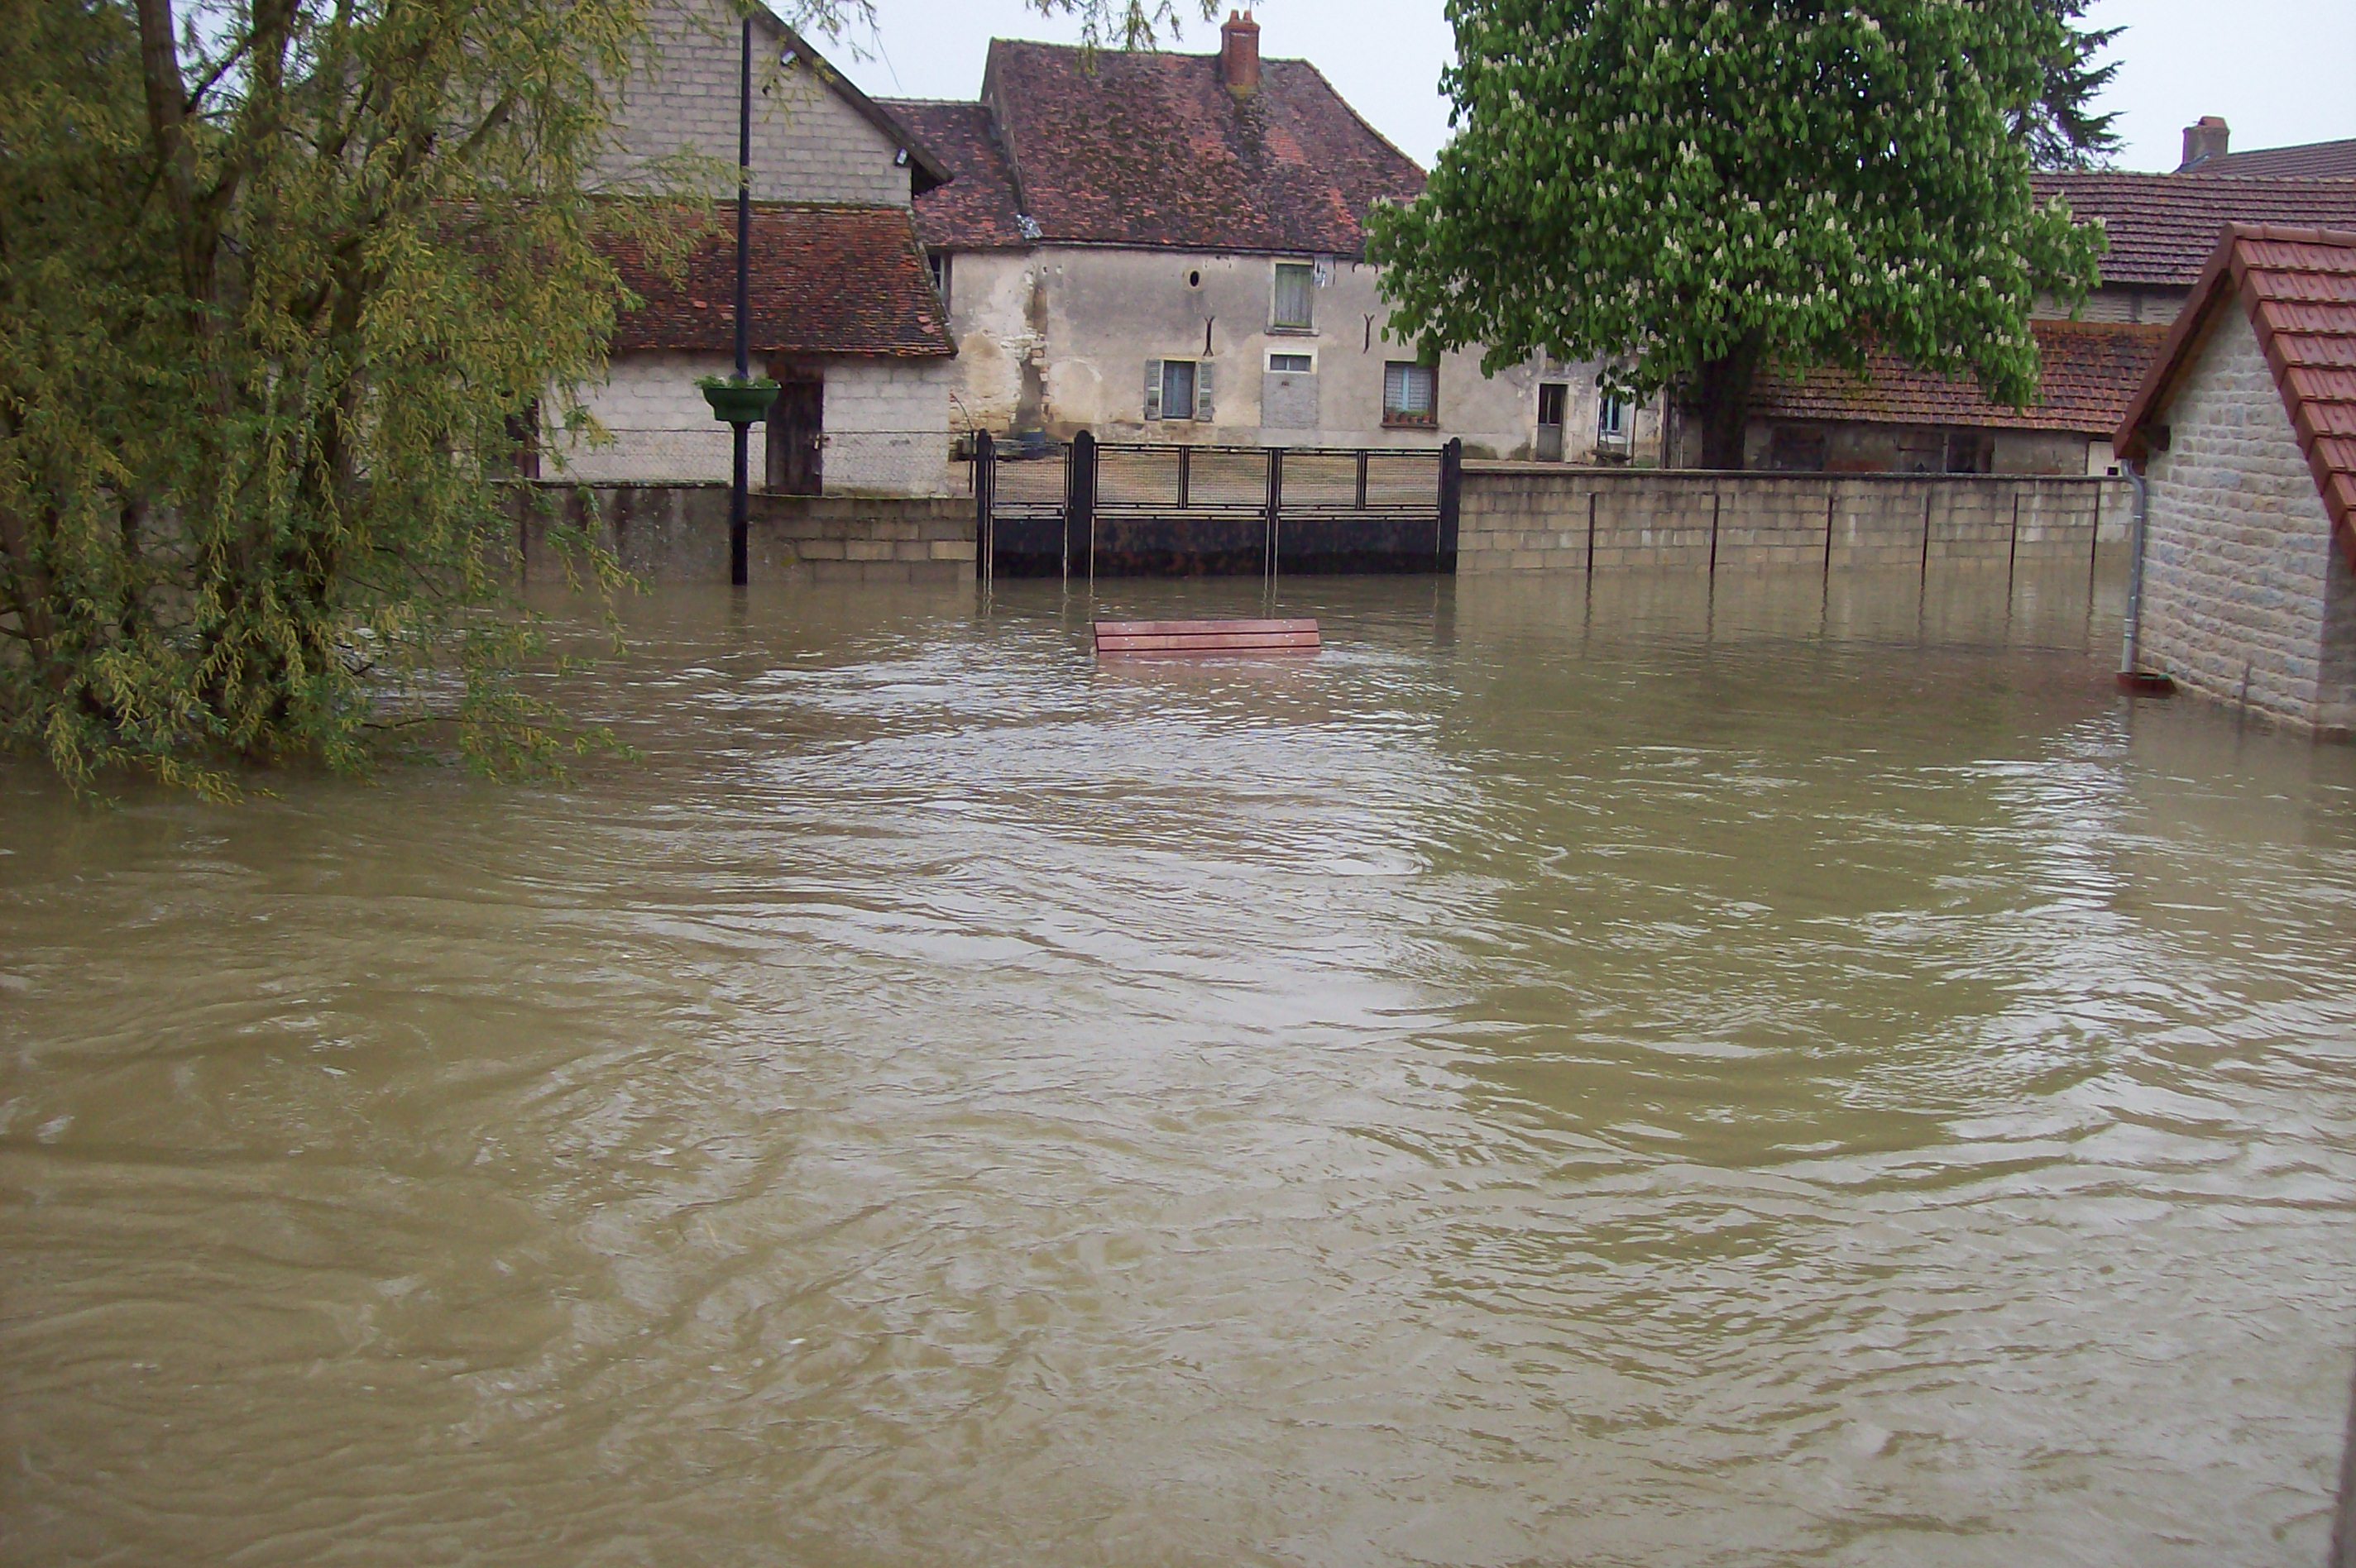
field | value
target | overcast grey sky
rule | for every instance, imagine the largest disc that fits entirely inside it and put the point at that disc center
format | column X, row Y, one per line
column 2278, row 70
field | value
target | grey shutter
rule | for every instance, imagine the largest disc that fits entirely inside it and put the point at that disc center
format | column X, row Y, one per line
column 1152, row 390
column 1203, row 391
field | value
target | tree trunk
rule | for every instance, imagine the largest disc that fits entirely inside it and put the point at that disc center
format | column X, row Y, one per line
column 1721, row 398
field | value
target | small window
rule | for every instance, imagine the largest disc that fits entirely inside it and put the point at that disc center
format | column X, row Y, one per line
column 1296, row 289
column 1554, row 398
column 1611, row 418
column 1970, row 452
column 1291, row 363
column 1177, row 389
column 1410, row 393
column 939, row 262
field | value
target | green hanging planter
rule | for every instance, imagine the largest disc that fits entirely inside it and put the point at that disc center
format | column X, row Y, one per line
column 738, row 402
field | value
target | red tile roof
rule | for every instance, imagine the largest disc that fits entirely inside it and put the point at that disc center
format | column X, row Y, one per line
column 2298, row 286
column 2312, row 161
column 976, row 210
column 1151, row 150
column 2163, row 227
column 2090, row 369
column 825, row 280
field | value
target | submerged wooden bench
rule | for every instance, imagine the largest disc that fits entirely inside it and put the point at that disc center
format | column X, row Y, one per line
column 1134, row 637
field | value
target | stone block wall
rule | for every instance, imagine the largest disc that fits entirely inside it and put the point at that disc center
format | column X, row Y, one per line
column 887, row 425
column 1548, row 517
column 662, row 428
column 2246, row 596
column 679, row 534
column 809, row 143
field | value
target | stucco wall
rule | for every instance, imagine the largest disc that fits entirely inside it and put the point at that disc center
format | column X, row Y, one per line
column 1536, row 518
column 808, row 142
column 1057, row 339
column 2243, row 586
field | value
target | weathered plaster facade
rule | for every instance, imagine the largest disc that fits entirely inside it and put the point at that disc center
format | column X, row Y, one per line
column 809, row 143
column 1058, row 338
column 2247, row 597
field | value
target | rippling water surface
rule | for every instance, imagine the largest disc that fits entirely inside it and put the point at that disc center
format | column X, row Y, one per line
column 1656, row 1080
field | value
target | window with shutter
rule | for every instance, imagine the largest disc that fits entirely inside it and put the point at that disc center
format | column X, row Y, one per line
column 1178, row 384
column 1411, row 394
column 1203, row 392
column 1296, row 284
column 1152, row 390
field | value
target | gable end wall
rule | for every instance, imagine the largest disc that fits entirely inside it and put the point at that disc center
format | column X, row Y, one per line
column 2241, row 577
column 809, row 143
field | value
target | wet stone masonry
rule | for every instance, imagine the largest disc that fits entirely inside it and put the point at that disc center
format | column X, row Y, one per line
column 1548, row 517
column 679, row 534
column 2245, row 597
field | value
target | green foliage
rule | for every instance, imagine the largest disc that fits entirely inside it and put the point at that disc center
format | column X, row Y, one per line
column 278, row 283
column 2062, row 130
column 1688, row 189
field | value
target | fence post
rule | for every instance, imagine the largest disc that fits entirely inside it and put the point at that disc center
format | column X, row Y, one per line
column 1270, row 538
column 1080, row 500
column 985, row 505
column 1451, row 497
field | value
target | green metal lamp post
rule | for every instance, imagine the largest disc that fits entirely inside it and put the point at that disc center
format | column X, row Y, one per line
column 743, row 400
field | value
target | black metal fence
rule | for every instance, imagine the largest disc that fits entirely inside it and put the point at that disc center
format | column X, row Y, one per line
column 1094, row 509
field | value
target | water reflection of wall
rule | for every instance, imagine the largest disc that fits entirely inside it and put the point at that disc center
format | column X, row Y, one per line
column 2064, row 607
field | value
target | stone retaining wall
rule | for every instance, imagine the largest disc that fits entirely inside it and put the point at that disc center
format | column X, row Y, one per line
column 679, row 533
column 1550, row 517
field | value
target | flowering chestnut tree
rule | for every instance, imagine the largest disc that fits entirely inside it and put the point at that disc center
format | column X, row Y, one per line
column 1690, row 191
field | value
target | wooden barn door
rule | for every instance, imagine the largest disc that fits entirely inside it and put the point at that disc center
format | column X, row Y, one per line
column 798, row 436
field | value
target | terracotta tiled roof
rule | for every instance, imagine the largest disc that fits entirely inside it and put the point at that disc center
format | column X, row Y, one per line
column 825, row 280
column 2090, row 369
column 2163, row 227
column 2312, row 161
column 976, row 210
column 2298, row 286
column 1151, row 150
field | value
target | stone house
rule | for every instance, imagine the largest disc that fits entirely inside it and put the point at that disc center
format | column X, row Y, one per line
column 2161, row 228
column 844, row 311
column 1168, row 246
column 2245, row 431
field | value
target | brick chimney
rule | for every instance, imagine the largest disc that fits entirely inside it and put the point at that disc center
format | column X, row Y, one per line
column 2204, row 141
column 1239, row 54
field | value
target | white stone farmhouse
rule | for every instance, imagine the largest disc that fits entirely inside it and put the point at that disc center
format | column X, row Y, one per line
column 844, row 314
column 1171, row 248
column 2246, row 431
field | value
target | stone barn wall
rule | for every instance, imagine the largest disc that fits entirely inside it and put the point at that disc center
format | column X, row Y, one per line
column 2246, row 596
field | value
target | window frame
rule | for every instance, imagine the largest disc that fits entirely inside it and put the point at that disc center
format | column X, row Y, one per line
column 1308, row 366
column 1157, row 389
column 939, row 263
column 1614, row 417
column 1395, row 415
column 1276, row 322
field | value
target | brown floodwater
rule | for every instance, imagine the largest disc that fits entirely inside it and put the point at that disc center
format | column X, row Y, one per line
column 1664, row 1077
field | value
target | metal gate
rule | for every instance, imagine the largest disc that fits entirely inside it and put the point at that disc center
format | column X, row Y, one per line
column 1094, row 509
